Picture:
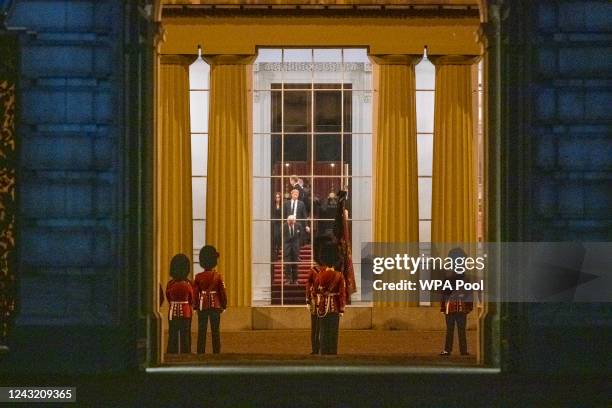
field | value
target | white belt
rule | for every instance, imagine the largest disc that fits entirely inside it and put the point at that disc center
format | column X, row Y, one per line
column 176, row 303
column 210, row 292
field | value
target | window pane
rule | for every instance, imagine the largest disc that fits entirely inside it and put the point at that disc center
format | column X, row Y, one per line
column 328, row 151
column 328, row 55
column 361, row 112
column 328, row 111
column 425, row 73
column 424, row 198
column 297, row 85
column 361, row 187
column 347, row 154
column 199, row 154
column 297, row 55
column 261, row 241
column 260, row 283
column 266, row 155
column 361, row 154
column 296, row 114
column 296, row 153
column 276, row 110
column 277, row 280
column 425, row 154
column 263, row 198
column 199, row 111
column 262, row 111
column 425, row 231
column 347, row 111
column 269, row 55
column 355, row 55
column 361, row 232
column 198, row 191
column 324, row 192
column 199, row 74
column 425, row 111
column 199, row 234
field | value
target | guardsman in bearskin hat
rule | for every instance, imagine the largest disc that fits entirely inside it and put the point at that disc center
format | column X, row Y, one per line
column 330, row 295
column 179, row 293
column 210, row 299
column 455, row 305
column 311, row 300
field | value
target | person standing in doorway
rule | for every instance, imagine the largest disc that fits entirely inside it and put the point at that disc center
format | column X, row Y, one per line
column 277, row 223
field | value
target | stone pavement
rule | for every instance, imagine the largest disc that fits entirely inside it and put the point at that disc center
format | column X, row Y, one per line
column 355, row 347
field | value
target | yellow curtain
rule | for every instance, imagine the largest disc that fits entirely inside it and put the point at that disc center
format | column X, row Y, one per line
column 173, row 214
column 396, row 210
column 228, row 196
column 454, row 212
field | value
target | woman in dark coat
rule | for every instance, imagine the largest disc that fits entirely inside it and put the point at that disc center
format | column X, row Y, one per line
column 277, row 222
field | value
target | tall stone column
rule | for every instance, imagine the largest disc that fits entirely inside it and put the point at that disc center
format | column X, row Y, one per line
column 228, row 198
column 396, row 198
column 454, row 183
column 173, row 198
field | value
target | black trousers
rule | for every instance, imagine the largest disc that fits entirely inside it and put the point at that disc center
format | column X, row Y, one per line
column 215, row 322
column 291, row 271
column 451, row 320
column 179, row 336
column 328, row 327
column 315, row 333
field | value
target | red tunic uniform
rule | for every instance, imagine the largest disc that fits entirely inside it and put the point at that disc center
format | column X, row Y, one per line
column 330, row 292
column 310, row 288
column 456, row 302
column 180, row 299
column 209, row 291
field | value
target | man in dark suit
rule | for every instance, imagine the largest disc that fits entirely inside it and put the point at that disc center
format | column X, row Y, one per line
column 292, row 241
column 295, row 184
column 304, row 194
column 296, row 207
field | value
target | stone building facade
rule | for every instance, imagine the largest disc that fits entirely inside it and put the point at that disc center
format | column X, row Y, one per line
column 84, row 113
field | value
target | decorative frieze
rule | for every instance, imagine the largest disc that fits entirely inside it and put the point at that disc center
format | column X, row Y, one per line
column 312, row 66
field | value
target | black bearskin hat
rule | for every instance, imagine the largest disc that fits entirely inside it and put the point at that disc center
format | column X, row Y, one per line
column 179, row 267
column 208, row 257
column 327, row 249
